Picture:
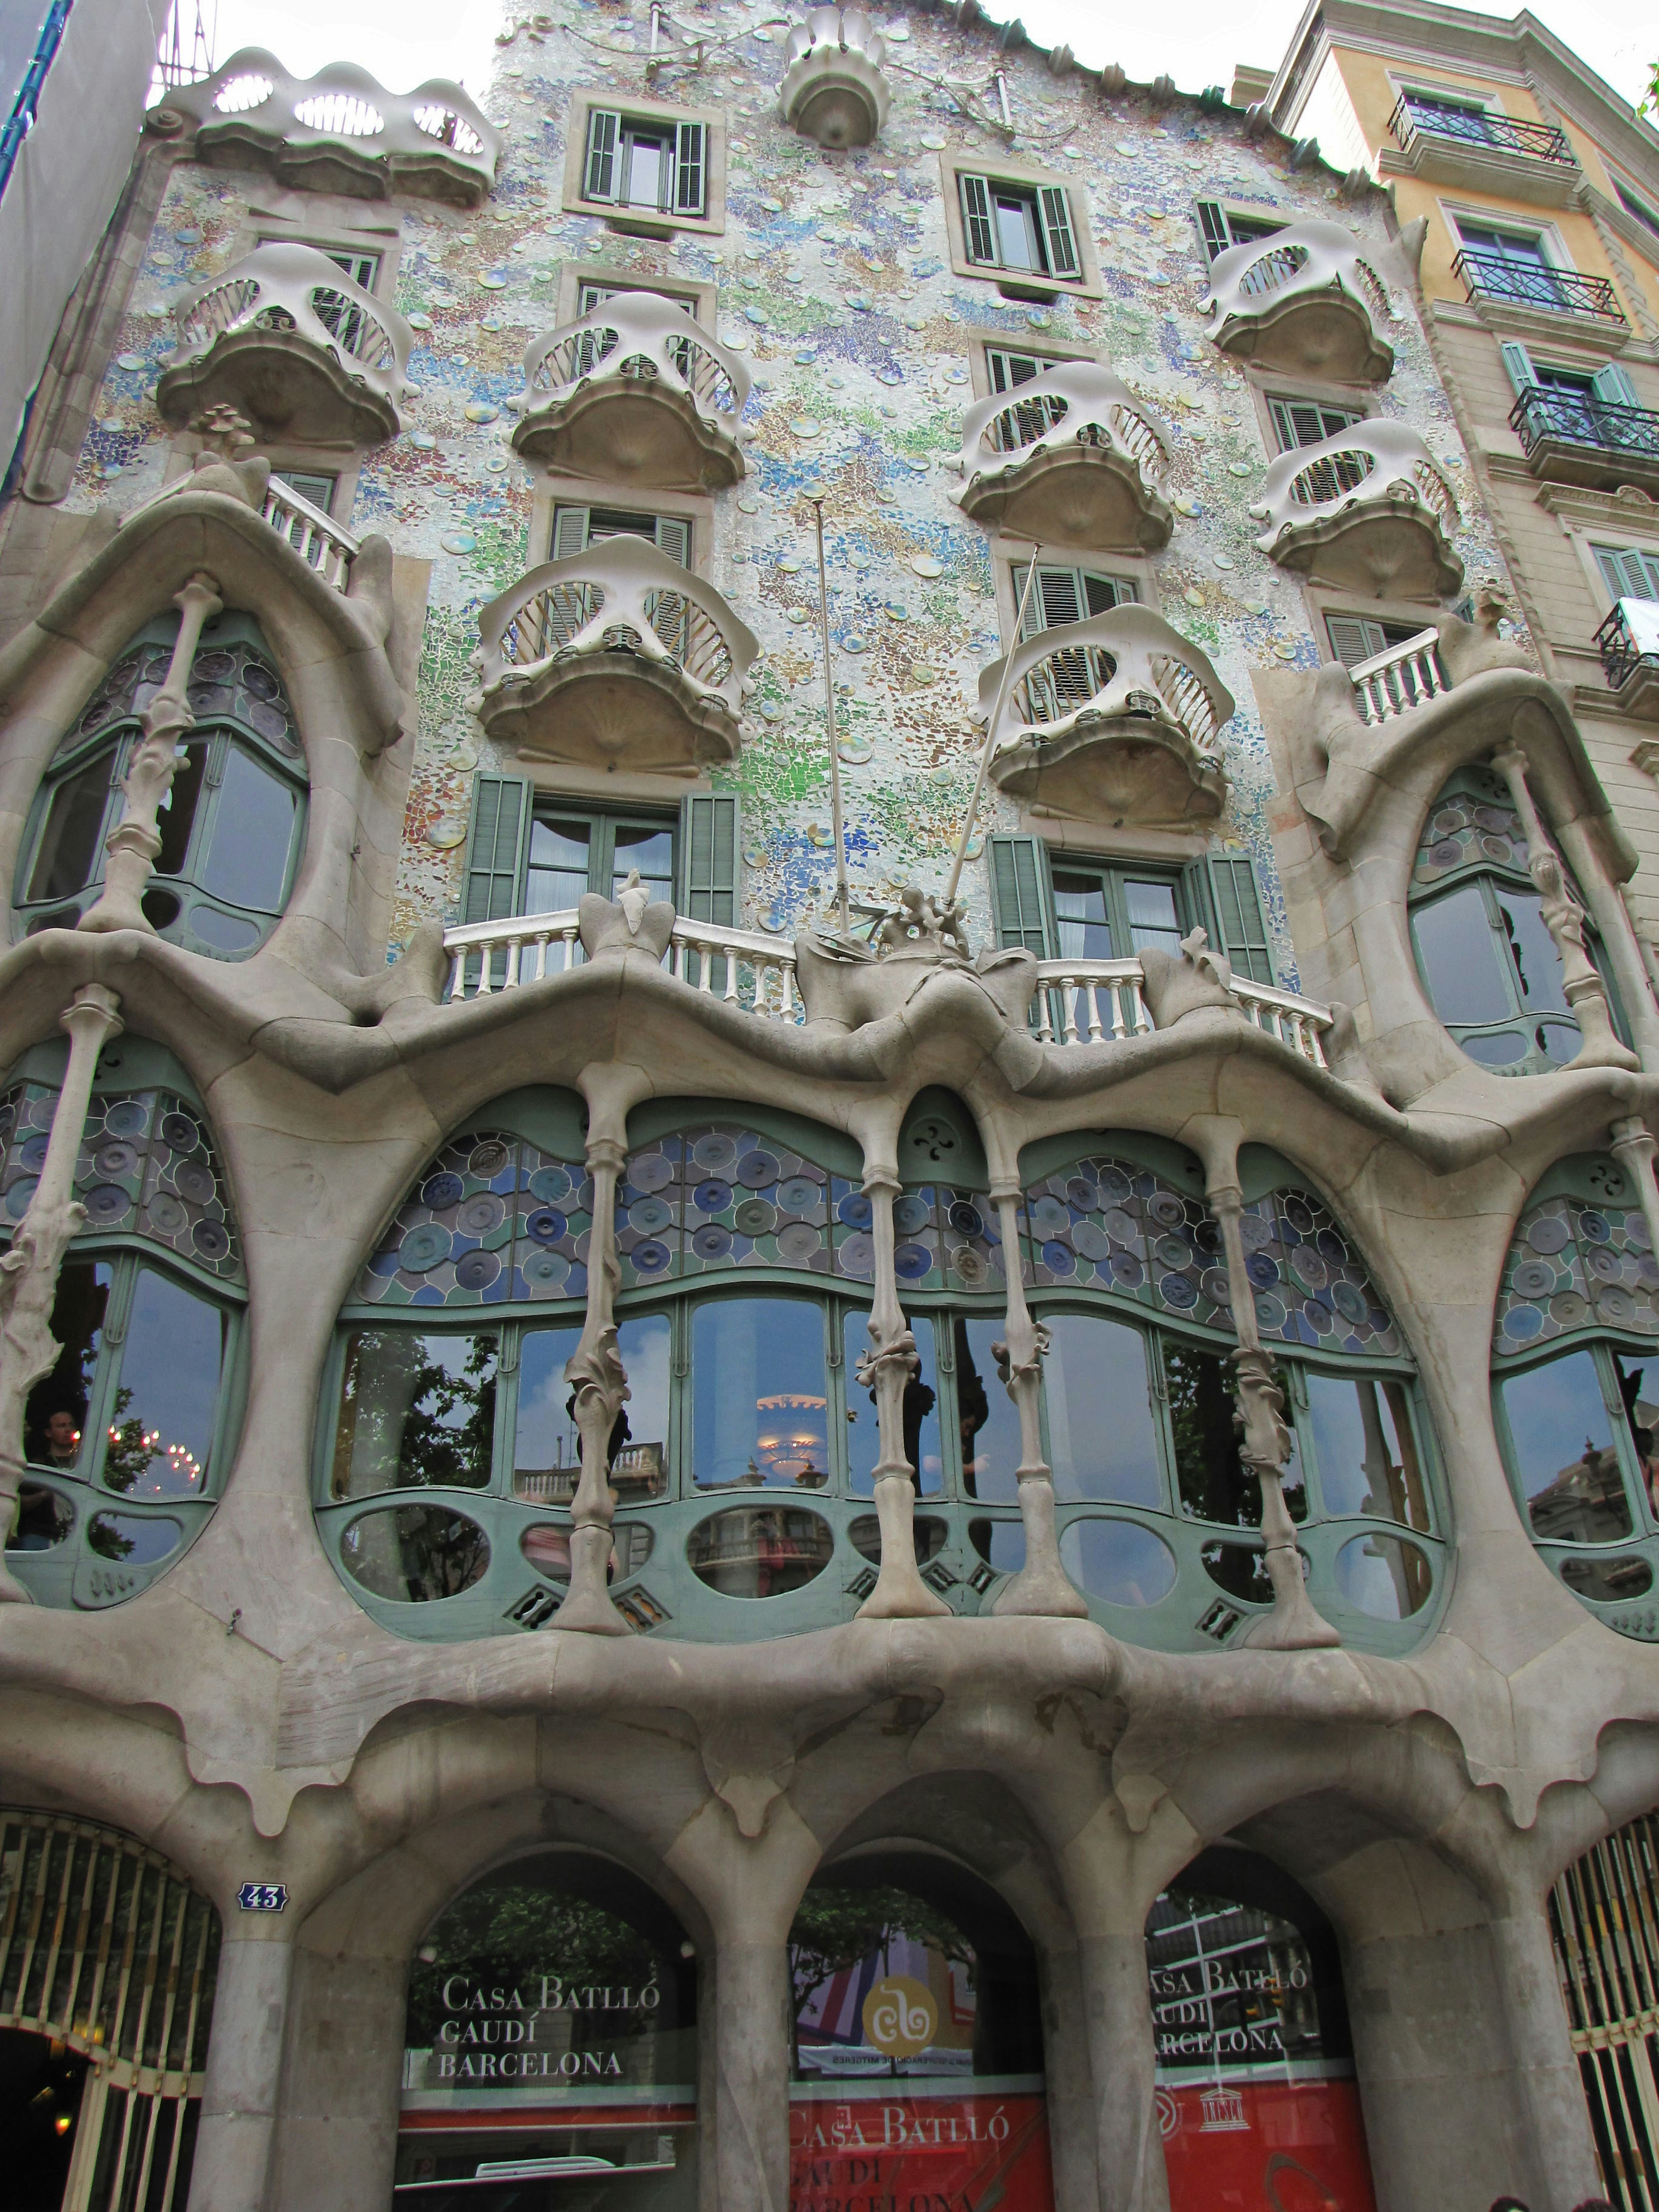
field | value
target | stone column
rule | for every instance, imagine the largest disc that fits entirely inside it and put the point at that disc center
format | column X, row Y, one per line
column 134, row 842
column 1550, row 2088
column 29, row 1271
column 1293, row 1625
column 233, row 2167
column 1042, row 1584
column 595, row 1372
column 887, row 1368
column 1123, row 2058
column 1564, row 918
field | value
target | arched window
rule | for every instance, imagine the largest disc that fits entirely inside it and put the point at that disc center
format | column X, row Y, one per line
column 743, row 1460
column 552, row 2034
column 232, row 827
column 1486, row 958
column 128, row 1440
column 1576, row 1386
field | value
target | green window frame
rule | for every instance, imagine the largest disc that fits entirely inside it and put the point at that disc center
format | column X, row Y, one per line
column 680, row 169
column 232, row 826
column 574, row 529
column 1007, row 369
column 1630, row 572
column 1355, row 638
column 1110, row 901
column 1025, row 230
column 1064, row 595
column 1221, row 227
column 1298, row 422
column 314, row 485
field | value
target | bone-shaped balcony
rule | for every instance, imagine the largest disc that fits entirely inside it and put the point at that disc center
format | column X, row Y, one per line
column 339, row 131
column 833, row 90
column 287, row 339
column 1303, row 302
column 1114, row 719
column 637, row 393
column 614, row 657
column 1071, row 455
column 1367, row 511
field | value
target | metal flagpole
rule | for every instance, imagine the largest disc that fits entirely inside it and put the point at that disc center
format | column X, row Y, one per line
column 991, row 729
column 830, row 724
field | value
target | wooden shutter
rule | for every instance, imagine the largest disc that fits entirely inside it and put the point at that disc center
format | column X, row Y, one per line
column 1354, row 638
column 1518, row 362
column 1022, row 905
column 1298, row 422
column 977, row 226
column 1054, row 598
column 1055, row 214
column 709, row 858
column 499, row 821
column 1213, row 224
column 690, row 168
column 1241, row 927
column 604, row 134
column 1101, row 593
column 674, row 538
column 1613, row 384
column 569, row 531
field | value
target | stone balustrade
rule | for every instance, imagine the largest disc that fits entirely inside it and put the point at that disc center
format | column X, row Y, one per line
column 1072, row 455
column 1368, row 511
column 1400, row 678
column 1305, row 302
column 637, row 393
column 1116, row 719
column 286, row 338
column 319, row 543
column 833, row 91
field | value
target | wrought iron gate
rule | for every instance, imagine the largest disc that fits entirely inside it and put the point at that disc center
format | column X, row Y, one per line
column 1604, row 1913
column 107, row 1948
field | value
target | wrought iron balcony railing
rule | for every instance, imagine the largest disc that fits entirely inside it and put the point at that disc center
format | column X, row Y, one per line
column 1493, row 276
column 1073, row 454
column 1499, row 134
column 1628, row 642
column 1543, row 417
column 1367, row 510
column 1304, row 302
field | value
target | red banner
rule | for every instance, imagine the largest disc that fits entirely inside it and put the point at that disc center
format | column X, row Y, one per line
column 1265, row 2147
column 921, row 2155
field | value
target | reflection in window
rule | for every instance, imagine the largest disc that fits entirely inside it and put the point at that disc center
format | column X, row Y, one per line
column 416, row 1411
column 134, row 1541
column 1562, row 1436
column 1214, row 1483
column 547, row 1449
column 1383, row 1577
column 1101, row 1441
column 1366, row 1449
column 55, row 1420
column 1117, row 1560
column 922, row 1447
column 44, row 1517
column 161, row 1424
column 416, row 1554
column 989, row 1422
column 760, row 1396
column 760, row 1551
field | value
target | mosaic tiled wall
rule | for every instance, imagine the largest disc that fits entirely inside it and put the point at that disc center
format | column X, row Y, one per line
column 834, row 285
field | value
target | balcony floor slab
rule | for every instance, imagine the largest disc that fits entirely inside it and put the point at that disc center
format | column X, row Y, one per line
column 629, row 430
column 287, row 387
column 1083, row 495
column 610, row 710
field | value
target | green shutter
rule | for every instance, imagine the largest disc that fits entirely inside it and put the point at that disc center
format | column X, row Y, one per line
column 1236, row 903
column 1518, row 362
column 1021, row 905
column 569, row 531
column 1213, row 223
column 690, row 168
column 1354, row 638
column 708, row 861
column 603, row 129
column 1055, row 216
column 1611, row 385
column 976, row 219
column 500, row 820
column 674, row 538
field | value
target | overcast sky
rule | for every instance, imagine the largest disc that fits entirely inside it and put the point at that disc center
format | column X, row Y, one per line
column 404, row 41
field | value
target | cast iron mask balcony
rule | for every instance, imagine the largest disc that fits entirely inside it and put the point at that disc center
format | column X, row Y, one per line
column 1071, row 455
column 833, row 90
column 1302, row 303
column 614, row 657
column 1628, row 641
column 637, row 393
column 1573, row 437
column 339, row 131
column 286, row 338
column 1491, row 279
column 1116, row 719
column 1367, row 511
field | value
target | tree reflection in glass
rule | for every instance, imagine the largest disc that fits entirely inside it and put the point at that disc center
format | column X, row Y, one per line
column 160, row 1427
column 1215, row 1483
column 1565, row 1452
column 989, row 1422
column 921, row 1436
column 759, row 1394
column 415, row 1412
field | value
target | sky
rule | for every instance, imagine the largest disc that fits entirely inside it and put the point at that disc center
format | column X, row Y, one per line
column 404, row 41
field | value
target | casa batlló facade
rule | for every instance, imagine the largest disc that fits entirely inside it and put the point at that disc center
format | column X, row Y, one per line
column 709, row 1515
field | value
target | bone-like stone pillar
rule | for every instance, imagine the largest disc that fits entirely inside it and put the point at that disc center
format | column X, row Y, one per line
column 1042, row 1584
column 887, row 1368
column 29, row 1271
column 595, row 1372
column 1633, row 1148
column 134, row 842
column 1123, row 2057
column 240, row 2101
column 1547, row 2080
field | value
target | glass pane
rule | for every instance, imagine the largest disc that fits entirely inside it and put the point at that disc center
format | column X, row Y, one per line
column 44, row 1517
column 1363, row 1445
column 1606, row 1582
column 759, row 1397
column 1153, row 919
column 252, row 836
column 140, row 1541
column 1101, row 1441
column 1085, row 928
column 177, row 816
column 645, row 168
column 651, row 851
column 985, row 1412
column 557, row 874
column 1001, row 1544
column 1564, row 1453
column 70, row 849
column 414, row 1553
column 1118, row 1561
column 414, row 1411
column 546, row 1451
column 1016, row 239
column 1462, row 964
column 1537, row 962
column 1384, row 1577
column 639, row 1455
column 160, row 1430
column 760, row 1551
column 55, row 1415
column 1642, row 1418
column 922, row 1447
column 1214, row 1483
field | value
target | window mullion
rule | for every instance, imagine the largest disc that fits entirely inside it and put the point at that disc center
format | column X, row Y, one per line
column 509, row 1343
column 112, row 1348
column 1505, row 946
column 1619, row 1423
